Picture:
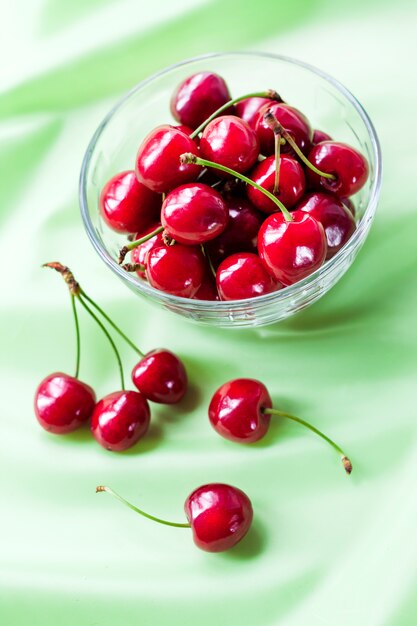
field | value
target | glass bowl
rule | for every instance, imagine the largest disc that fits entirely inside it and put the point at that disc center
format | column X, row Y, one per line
column 329, row 107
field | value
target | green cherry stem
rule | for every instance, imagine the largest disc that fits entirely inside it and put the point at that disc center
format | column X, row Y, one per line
column 101, row 488
column 110, row 321
column 188, row 157
column 107, row 334
column 278, row 129
column 77, row 336
column 134, row 244
column 345, row 460
column 271, row 94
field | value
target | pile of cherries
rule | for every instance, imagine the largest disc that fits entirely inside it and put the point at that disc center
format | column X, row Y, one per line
column 220, row 515
column 239, row 199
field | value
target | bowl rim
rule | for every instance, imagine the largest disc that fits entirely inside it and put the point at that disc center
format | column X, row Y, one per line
column 276, row 296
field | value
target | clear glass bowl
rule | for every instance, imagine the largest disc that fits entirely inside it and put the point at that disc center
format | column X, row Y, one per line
column 329, row 107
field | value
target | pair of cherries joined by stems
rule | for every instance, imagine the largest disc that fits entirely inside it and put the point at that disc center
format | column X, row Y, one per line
column 63, row 403
column 290, row 213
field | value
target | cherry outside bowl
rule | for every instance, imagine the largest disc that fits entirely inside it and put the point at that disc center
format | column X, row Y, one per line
column 329, row 107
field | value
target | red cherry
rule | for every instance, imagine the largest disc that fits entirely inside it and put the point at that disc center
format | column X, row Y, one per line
column 220, row 516
column 120, row 419
column 243, row 275
column 241, row 232
column 347, row 164
column 292, row 250
column 63, row 403
column 139, row 254
column 231, row 142
column 158, row 159
column 292, row 120
column 319, row 136
column 248, row 109
column 177, row 269
column 160, row 377
column 208, row 290
column 197, row 97
column 349, row 205
column 194, row 213
column 126, row 205
column 336, row 219
column 236, row 410
column 291, row 183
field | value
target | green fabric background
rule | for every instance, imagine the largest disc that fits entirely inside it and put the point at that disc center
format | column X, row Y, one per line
column 325, row 549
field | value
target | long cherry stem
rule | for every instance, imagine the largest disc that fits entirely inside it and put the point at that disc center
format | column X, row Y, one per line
column 134, row 244
column 101, row 488
column 345, row 460
column 271, row 94
column 77, row 336
column 188, row 157
column 112, row 324
column 278, row 129
column 277, row 137
column 106, row 332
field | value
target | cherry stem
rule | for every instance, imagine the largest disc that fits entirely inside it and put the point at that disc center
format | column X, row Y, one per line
column 277, row 137
column 188, row 157
column 271, row 94
column 106, row 332
column 77, row 336
column 345, row 460
column 112, row 324
column 134, row 244
column 101, row 488
column 278, row 129
column 209, row 261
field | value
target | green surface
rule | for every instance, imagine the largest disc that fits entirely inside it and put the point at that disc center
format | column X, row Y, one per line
column 325, row 549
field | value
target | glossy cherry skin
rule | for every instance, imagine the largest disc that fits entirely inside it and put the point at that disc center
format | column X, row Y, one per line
column 292, row 183
column 319, row 136
column 120, row 419
column 177, row 269
column 236, row 410
column 140, row 254
column 194, row 213
column 243, row 275
column 292, row 250
column 231, row 142
column 208, row 290
column 126, row 205
column 160, row 376
column 241, row 232
column 292, row 120
column 248, row 109
column 348, row 165
column 63, row 403
column 158, row 159
column 336, row 219
column 197, row 97
column 220, row 516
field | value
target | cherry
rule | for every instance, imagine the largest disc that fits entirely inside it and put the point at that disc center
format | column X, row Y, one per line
column 348, row 167
column 157, row 161
column 319, row 136
column 219, row 515
column 231, row 142
column 336, row 219
column 292, row 250
column 63, row 403
column 291, row 183
column 248, row 109
column 291, row 119
column 120, row 419
column 241, row 232
column 197, row 97
column 194, row 213
column 126, row 205
column 177, row 269
column 208, row 290
column 139, row 254
column 243, row 275
column 349, row 205
column 160, row 376
column 241, row 409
